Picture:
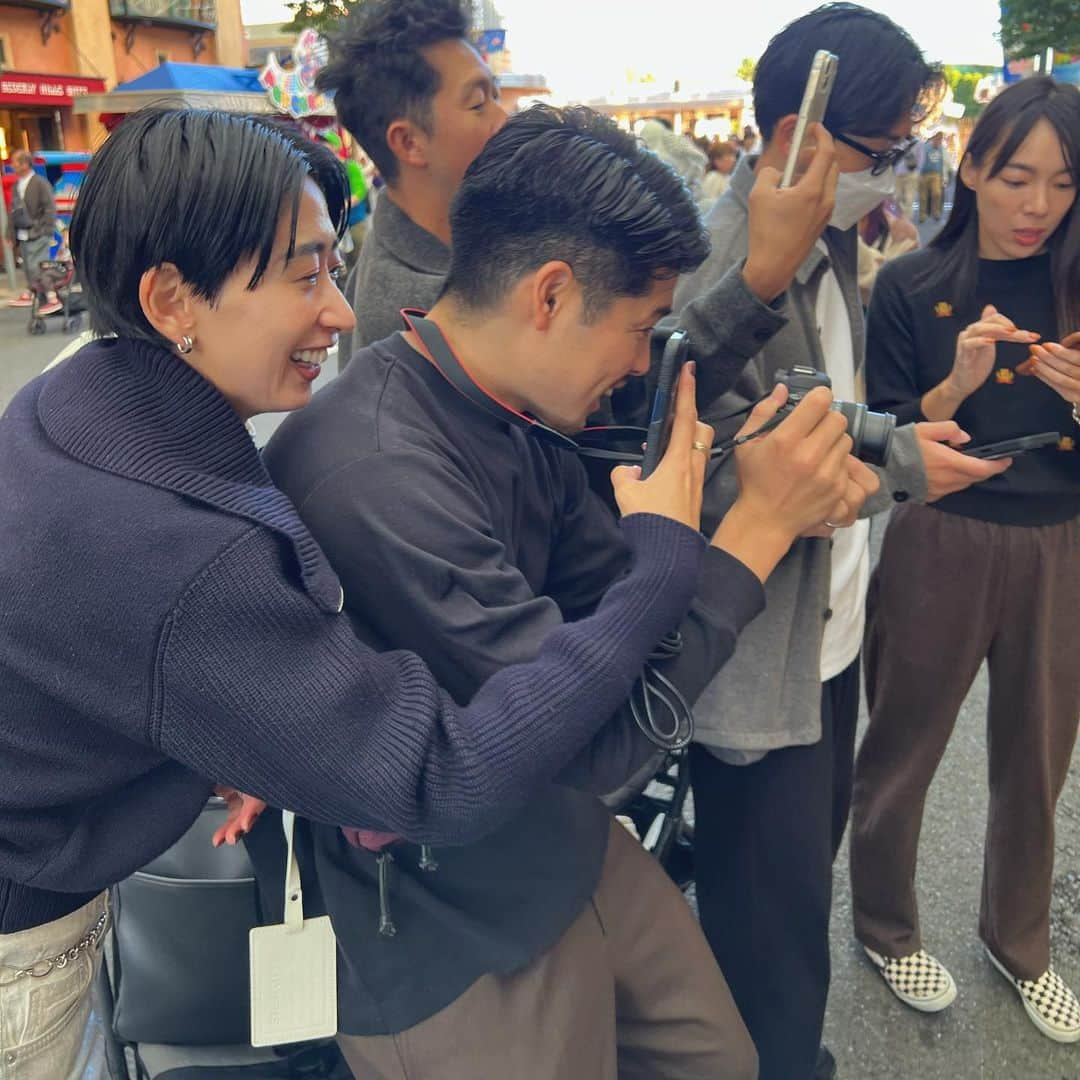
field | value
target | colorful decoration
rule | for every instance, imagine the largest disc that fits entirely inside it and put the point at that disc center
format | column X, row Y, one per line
column 1005, row 376
column 292, row 90
column 943, row 309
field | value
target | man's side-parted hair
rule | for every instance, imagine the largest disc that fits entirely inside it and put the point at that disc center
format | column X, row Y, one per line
column 568, row 185
column 199, row 188
column 881, row 75
column 378, row 73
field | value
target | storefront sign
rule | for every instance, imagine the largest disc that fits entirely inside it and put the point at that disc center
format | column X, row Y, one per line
column 58, row 91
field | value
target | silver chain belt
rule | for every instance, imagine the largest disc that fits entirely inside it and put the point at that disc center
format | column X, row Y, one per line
column 45, row 967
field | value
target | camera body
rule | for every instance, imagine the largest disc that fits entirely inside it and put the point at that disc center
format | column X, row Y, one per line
column 871, row 432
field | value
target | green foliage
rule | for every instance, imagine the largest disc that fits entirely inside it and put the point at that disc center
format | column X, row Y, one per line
column 963, row 82
column 1030, row 27
column 746, row 69
column 323, row 15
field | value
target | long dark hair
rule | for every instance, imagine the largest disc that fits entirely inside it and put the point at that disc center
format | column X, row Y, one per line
column 1007, row 122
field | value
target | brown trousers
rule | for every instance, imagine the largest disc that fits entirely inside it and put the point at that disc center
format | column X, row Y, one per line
column 950, row 591
column 631, row 990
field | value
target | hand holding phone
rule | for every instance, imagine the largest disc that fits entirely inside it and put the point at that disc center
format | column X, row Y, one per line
column 676, row 348
column 815, row 102
column 1011, row 447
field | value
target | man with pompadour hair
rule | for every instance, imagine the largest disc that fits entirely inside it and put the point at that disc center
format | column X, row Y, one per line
column 413, row 91
column 554, row 946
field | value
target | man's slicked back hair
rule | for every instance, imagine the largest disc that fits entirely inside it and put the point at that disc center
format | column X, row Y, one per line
column 378, row 73
column 568, row 185
column 881, row 76
column 202, row 189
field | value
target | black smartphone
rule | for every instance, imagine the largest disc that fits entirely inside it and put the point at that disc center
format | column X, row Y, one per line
column 674, row 349
column 1012, row 447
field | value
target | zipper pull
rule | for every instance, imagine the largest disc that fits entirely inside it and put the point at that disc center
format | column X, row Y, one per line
column 427, row 859
column 387, row 928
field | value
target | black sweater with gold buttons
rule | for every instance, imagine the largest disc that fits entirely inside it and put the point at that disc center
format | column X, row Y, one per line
column 910, row 345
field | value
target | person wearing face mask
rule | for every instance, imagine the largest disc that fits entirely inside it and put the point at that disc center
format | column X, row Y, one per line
column 773, row 760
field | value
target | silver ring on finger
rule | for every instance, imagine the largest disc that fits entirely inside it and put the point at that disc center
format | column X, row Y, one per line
column 703, row 447
column 831, row 525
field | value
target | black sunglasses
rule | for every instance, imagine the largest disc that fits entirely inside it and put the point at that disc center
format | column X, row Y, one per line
column 882, row 159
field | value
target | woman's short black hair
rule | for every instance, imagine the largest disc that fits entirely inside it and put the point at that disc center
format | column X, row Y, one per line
column 377, row 71
column 881, row 76
column 568, row 185
column 202, row 189
column 998, row 134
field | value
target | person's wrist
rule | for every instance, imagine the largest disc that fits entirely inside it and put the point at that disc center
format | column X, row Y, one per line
column 952, row 391
column 756, row 536
column 766, row 283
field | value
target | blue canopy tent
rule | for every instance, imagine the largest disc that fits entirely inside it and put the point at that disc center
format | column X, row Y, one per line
column 203, row 86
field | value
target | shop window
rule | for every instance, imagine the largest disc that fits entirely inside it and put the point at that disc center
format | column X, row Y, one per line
column 6, row 59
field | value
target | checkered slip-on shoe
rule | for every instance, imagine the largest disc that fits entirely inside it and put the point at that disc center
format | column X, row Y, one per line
column 917, row 980
column 1051, row 1006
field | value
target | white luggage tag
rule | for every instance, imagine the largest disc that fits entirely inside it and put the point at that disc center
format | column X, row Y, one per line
column 293, row 968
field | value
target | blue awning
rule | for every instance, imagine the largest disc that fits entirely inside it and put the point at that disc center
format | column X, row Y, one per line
column 206, row 77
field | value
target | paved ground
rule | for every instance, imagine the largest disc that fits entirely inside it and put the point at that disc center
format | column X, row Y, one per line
column 985, row 1035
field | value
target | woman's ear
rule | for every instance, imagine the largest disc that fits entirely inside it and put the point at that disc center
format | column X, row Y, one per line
column 166, row 301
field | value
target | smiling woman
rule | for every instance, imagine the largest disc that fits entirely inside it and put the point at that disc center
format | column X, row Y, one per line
column 231, row 250
column 168, row 620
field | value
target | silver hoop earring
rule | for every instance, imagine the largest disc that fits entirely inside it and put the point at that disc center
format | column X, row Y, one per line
column 185, row 345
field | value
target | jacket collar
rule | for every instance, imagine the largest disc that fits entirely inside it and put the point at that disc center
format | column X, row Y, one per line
column 134, row 409
column 408, row 242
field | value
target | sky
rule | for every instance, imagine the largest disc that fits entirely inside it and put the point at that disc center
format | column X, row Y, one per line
column 584, row 47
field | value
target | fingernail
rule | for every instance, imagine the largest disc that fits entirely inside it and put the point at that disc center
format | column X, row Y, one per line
column 692, row 366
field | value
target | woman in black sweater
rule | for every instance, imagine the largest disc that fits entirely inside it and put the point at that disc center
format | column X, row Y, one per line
column 983, row 326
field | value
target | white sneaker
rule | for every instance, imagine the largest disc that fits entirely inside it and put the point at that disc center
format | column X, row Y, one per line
column 918, row 980
column 1050, row 1004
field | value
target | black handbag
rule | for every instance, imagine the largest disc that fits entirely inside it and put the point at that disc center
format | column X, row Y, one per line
column 180, row 947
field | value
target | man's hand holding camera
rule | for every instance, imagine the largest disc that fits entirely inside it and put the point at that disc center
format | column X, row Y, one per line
column 792, row 480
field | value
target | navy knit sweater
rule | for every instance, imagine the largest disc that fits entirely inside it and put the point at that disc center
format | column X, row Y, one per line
column 168, row 621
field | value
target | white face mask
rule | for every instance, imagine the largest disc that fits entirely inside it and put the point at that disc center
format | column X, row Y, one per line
column 857, row 193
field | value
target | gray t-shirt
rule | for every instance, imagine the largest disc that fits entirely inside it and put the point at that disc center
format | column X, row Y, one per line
column 400, row 265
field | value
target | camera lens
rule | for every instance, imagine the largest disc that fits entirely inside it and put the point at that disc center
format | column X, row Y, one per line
column 871, row 432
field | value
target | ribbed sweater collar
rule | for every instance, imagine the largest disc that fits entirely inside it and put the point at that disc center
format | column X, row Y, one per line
column 136, row 410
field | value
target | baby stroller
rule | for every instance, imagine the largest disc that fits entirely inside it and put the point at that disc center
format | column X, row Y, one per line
column 56, row 277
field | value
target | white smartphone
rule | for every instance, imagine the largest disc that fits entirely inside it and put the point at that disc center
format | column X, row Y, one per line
column 815, row 101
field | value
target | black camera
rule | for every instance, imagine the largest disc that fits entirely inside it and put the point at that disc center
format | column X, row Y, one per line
column 871, row 432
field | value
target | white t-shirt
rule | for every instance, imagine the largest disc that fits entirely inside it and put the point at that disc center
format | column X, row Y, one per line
column 851, row 548
column 20, row 186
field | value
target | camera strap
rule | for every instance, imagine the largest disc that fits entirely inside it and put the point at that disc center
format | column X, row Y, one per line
column 590, row 442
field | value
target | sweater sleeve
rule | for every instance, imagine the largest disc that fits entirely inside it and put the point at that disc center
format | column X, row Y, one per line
column 728, row 597
column 728, row 325
column 413, row 523
column 891, row 377
column 258, row 688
